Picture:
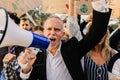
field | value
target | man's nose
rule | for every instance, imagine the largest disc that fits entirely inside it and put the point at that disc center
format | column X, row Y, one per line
column 53, row 31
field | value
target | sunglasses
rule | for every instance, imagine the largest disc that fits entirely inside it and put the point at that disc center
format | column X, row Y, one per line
column 99, row 72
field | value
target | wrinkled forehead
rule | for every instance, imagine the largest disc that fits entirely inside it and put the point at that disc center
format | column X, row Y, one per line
column 53, row 22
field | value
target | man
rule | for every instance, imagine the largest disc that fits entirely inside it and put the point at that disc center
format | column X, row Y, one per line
column 61, row 61
column 25, row 24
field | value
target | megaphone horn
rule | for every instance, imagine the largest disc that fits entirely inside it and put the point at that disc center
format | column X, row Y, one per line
column 12, row 34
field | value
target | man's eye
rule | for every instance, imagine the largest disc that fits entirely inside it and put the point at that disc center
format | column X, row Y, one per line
column 57, row 29
column 49, row 29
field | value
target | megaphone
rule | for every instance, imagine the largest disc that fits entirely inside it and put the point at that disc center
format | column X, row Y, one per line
column 12, row 34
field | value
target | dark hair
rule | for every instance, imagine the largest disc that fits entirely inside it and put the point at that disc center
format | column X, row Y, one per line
column 14, row 17
column 37, row 28
column 23, row 18
column 64, row 21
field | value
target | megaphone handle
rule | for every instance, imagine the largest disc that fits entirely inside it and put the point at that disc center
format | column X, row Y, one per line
column 34, row 50
column 24, row 65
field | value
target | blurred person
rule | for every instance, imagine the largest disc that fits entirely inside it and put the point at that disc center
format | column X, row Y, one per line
column 10, row 57
column 14, row 17
column 115, row 39
column 25, row 24
column 71, row 23
column 114, row 64
column 11, row 69
column 38, row 29
column 61, row 61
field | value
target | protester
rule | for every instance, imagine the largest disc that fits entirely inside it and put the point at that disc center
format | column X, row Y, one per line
column 38, row 29
column 25, row 24
column 115, row 39
column 61, row 61
column 114, row 64
column 96, row 61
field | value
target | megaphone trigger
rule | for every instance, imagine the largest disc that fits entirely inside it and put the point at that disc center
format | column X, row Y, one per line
column 34, row 50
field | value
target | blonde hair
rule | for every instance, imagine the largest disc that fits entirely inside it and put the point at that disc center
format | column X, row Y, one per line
column 106, row 47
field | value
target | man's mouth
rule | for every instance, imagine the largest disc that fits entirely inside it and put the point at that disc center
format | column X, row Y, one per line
column 52, row 39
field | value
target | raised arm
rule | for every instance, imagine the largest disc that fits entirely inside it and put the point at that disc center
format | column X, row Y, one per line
column 98, row 28
column 73, row 28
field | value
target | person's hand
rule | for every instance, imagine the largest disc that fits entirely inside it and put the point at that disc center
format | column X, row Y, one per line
column 9, row 57
column 88, row 18
column 26, row 60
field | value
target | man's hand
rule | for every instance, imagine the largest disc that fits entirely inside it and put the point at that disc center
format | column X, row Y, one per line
column 26, row 60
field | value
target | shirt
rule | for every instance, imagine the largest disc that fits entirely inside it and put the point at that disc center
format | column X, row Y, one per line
column 116, row 68
column 56, row 68
column 93, row 71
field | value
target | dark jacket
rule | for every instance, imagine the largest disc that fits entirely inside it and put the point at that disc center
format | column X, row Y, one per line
column 115, row 40
column 73, row 50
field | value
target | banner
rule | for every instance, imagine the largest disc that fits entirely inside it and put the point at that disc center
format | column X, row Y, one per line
column 20, row 6
column 115, row 13
column 83, row 7
column 59, row 6
column 54, row 6
column 115, row 6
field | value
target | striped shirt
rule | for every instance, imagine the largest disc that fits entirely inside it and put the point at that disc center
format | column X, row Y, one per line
column 93, row 71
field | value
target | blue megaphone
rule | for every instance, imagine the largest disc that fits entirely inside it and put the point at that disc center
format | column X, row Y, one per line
column 12, row 34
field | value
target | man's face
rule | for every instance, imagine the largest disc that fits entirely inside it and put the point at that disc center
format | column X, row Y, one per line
column 53, row 29
column 25, row 24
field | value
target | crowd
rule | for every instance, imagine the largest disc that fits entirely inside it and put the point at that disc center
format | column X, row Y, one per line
column 85, row 51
